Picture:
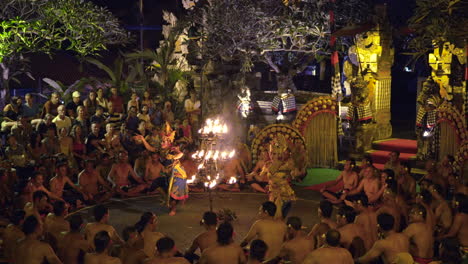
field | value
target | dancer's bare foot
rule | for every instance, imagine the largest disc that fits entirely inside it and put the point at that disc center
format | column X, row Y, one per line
column 172, row 213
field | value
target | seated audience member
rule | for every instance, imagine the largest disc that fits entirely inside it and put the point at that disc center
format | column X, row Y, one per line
column 93, row 185
column 406, row 183
column 420, row 235
column 166, row 253
column 98, row 116
column 348, row 178
column 31, row 250
column 272, row 231
column 225, row 251
column 391, row 244
column 146, row 226
column 61, row 120
column 352, row 235
column 15, row 153
column 459, row 228
column 55, row 223
column 102, row 244
column 51, row 142
column 441, row 208
column 13, row 234
column 331, row 252
column 94, row 141
column 207, row 238
column 73, row 245
column 73, row 104
column 257, row 252
column 131, row 253
column 365, row 162
column 119, row 177
column 298, row 244
column 101, row 217
column 39, row 207
column 326, row 223
column 51, row 106
column 394, row 163
column 390, row 206
column 74, row 196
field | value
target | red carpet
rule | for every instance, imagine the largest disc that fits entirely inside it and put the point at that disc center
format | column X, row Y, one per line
column 407, row 148
column 318, row 187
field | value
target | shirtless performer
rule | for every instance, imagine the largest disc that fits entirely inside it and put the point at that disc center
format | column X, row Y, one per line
column 102, row 244
column 331, row 252
column 441, row 208
column 206, row 239
column 420, row 235
column 232, row 169
column 131, row 253
column 166, row 251
column 258, row 178
column 352, row 234
column 425, row 199
column 13, row 234
column 257, row 252
column 406, row 183
column 31, row 250
column 146, row 226
column 299, row 244
column 370, row 185
column 153, row 175
column 225, row 251
column 390, row 207
column 319, row 230
column 272, row 231
column 74, row 246
column 36, row 183
column 90, row 182
column 459, row 228
column 367, row 218
column 390, row 244
column 58, row 183
column 39, row 207
column 55, row 223
column 348, row 177
column 101, row 216
column 394, row 163
column 118, row 176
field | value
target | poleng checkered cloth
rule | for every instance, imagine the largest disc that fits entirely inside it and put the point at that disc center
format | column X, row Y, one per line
column 336, row 85
column 285, row 103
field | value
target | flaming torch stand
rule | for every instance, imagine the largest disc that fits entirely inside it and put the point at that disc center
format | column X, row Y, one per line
column 212, row 150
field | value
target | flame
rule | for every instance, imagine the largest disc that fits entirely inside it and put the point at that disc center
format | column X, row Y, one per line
column 216, row 155
column 224, row 154
column 212, row 184
column 200, row 166
column 201, row 154
column 208, row 177
column 225, row 129
column 192, row 180
column 232, row 154
column 209, row 155
column 232, row 180
column 194, row 155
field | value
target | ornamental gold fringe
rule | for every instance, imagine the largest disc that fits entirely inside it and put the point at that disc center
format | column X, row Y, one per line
column 320, row 136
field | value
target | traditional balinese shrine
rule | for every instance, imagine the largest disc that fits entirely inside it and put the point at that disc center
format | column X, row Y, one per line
column 324, row 124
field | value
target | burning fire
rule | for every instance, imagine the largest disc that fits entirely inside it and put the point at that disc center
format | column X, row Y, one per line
column 232, row 180
column 214, row 126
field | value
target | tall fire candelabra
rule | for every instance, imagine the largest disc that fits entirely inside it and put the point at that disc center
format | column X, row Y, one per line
column 214, row 149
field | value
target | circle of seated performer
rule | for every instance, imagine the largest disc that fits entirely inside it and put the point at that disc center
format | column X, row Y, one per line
column 349, row 180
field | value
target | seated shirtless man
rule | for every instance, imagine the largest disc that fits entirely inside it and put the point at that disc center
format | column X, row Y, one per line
column 390, row 245
column 367, row 218
column 319, row 230
column 119, row 176
column 31, row 250
column 348, row 177
column 272, row 231
column 91, row 183
column 352, row 234
column 232, row 170
column 441, row 208
column 73, row 245
column 206, row 239
column 74, row 197
column 331, row 253
column 101, row 217
column 166, row 253
column 298, row 245
column 131, row 252
column 225, row 251
column 420, row 235
column 258, row 178
column 36, row 183
column 459, row 228
column 102, row 244
column 55, row 223
column 154, row 174
column 370, row 186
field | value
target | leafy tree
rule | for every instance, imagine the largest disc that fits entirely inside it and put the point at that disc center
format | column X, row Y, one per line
column 437, row 21
column 49, row 25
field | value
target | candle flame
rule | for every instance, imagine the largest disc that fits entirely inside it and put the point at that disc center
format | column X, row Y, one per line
column 225, row 129
column 224, row 154
column 192, row 180
column 200, row 166
column 216, row 155
column 212, row 184
column 232, row 154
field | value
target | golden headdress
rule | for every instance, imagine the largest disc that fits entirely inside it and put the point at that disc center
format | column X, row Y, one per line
column 168, row 133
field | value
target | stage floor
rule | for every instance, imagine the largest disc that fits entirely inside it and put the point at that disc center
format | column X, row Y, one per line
column 184, row 226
